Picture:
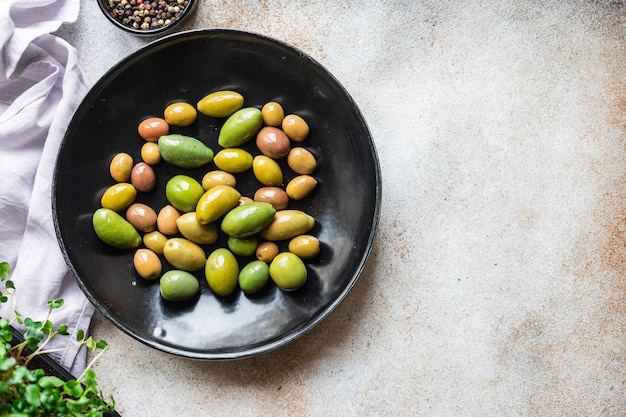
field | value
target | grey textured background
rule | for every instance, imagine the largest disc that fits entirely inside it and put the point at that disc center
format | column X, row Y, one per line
column 496, row 284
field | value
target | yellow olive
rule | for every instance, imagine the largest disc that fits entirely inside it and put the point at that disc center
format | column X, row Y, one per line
column 244, row 200
column 295, row 127
column 147, row 264
column 166, row 220
column 118, row 196
column 216, row 202
column 183, row 254
column 273, row 113
column 234, row 160
column 218, row 177
column 266, row 251
column 301, row 161
column 305, row 246
column 150, row 153
column 267, row 170
column 220, row 103
column 190, row 228
column 180, row 114
column 120, row 167
column 155, row 241
column 300, row 187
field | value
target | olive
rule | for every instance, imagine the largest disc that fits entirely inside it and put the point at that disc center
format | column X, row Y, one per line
column 155, row 241
column 178, row 285
column 143, row 177
column 166, row 220
column 120, row 167
column 300, row 187
column 276, row 196
column 305, row 246
column 142, row 217
column 147, row 264
column 152, row 128
column 301, row 161
column 183, row 192
column 267, row 171
column 218, row 177
column 180, row 114
column 272, row 113
column 222, row 271
column 118, row 196
column 150, row 153
column 266, row 251
column 273, row 142
column 253, row 277
column 295, row 127
column 288, row 271
column 184, row 254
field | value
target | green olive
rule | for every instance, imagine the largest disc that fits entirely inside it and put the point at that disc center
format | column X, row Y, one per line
column 240, row 127
column 222, row 272
column 178, row 285
column 183, row 192
column 253, row 277
column 243, row 246
column 288, row 271
column 114, row 230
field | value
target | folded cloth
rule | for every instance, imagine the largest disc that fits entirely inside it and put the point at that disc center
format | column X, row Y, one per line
column 40, row 87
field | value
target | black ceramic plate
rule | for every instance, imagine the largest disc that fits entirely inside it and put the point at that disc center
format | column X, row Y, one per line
column 187, row 66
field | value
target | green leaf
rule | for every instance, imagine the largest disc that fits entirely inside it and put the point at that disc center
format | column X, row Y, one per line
column 32, row 395
column 62, row 329
column 73, row 388
column 5, row 268
column 50, row 382
column 9, row 284
column 56, row 303
column 80, row 335
column 102, row 344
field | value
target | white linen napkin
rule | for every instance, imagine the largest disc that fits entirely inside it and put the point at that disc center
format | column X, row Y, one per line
column 40, row 87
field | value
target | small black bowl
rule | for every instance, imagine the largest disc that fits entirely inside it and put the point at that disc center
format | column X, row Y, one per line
column 160, row 30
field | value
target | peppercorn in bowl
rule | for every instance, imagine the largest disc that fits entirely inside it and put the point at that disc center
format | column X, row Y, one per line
column 147, row 17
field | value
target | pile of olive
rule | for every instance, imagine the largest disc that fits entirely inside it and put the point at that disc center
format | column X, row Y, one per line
column 200, row 209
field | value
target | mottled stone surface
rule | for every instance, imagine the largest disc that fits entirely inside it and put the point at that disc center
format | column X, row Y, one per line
column 496, row 285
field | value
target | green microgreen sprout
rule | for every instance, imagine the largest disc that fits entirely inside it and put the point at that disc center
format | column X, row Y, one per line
column 28, row 391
